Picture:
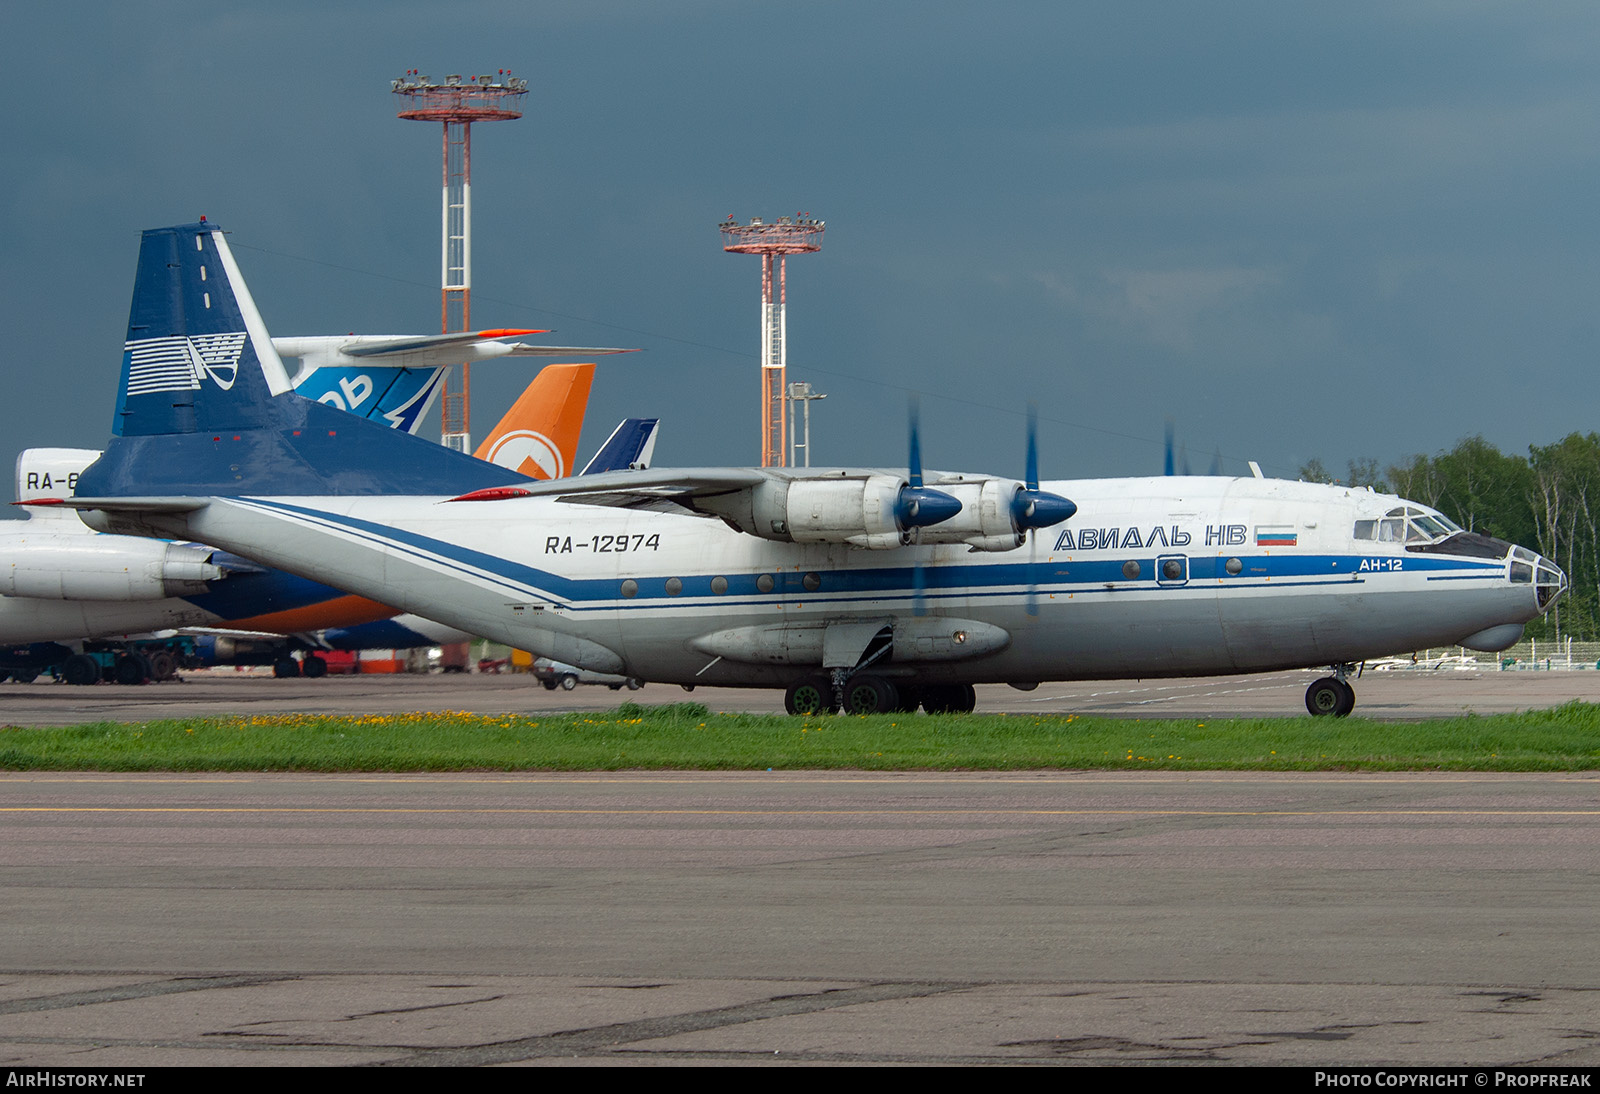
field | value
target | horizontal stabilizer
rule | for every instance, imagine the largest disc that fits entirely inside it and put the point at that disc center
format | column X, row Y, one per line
column 206, row 406
column 139, row 505
column 422, row 350
column 381, row 346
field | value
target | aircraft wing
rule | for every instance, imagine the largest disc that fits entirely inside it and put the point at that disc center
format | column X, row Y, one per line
column 863, row 507
column 616, row 488
column 311, row 639
column 874, row 509
column 626, row 488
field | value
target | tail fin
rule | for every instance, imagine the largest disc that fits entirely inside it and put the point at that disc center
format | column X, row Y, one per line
column 538, row 437
column 630, row 445
column 197, row 348
column 399, row 398
column 205, row 405
column 50, row 474
column 395, row 378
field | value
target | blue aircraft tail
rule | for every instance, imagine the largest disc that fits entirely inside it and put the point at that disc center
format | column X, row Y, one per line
column 630, row 445
column 396, row 397
column 206, row 407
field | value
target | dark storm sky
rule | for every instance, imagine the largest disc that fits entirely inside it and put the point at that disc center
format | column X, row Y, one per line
column 1364, row 229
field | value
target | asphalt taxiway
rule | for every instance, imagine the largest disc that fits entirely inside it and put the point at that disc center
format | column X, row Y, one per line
column 760, row 917
column 757, row 918
column 1398, row 696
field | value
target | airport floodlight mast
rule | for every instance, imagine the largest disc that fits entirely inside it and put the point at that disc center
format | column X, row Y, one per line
column 801, row 393
column 799, row 234
column 457, row 104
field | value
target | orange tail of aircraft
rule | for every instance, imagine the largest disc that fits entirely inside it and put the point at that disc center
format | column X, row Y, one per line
column 538, row 436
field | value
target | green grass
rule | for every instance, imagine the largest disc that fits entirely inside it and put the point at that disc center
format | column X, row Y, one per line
column 685, row 736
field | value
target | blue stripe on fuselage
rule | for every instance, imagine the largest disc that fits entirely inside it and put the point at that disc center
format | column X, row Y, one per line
column 937, row 580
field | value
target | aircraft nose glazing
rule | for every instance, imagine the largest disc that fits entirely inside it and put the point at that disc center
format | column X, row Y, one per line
column 1549, row 582
column 1545, row 576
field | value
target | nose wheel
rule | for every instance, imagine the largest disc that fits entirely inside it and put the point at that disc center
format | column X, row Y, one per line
column 1330, row 695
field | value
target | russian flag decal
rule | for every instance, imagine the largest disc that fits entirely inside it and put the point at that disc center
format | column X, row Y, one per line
column 1275, row 535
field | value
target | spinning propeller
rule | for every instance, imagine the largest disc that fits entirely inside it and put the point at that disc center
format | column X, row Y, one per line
column 920, row 506
column 1032, row 508
column 986, row 526
column 1171, row 466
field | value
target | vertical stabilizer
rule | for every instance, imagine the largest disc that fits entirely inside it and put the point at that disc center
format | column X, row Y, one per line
column 630, row 446
column 538, row 436
column 197, row 348
column 205, row 405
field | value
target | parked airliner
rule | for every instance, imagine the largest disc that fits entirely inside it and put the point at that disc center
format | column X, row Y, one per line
column 871, row 589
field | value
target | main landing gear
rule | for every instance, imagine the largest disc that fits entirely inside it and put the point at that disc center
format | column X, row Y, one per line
column 1332, row 694
column 310, row 666
column 868, row 693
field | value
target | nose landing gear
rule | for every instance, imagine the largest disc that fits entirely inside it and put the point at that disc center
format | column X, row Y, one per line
column 1332, row 694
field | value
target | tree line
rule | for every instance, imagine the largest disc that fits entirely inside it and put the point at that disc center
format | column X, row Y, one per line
column 1548, row 501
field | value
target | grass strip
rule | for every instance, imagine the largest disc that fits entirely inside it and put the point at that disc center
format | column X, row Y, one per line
column 686, row 736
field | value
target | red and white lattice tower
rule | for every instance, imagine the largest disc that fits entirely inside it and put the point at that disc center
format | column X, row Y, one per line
column 795, row 235
column 457, row 105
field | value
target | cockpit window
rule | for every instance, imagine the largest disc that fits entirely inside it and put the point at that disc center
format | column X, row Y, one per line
column 1407, row 524
column 1550, row 583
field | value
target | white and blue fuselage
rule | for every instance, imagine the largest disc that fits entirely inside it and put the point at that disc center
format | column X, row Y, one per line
column 1154, row 577
column 869, row 589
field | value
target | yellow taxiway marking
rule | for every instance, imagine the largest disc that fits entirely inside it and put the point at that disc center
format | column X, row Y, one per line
column 1131, row 776
column 969, row 812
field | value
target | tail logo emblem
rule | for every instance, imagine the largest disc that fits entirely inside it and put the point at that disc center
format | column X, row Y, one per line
column 529, row 453
column 176, row 363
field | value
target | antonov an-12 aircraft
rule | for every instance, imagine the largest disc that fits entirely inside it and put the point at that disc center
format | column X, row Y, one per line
column 875, row 590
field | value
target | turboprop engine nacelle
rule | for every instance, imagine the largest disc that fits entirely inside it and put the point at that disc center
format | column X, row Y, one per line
column 874, row 510
column 88, row 567
column 986, row 521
